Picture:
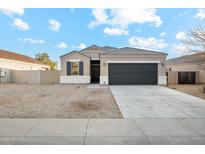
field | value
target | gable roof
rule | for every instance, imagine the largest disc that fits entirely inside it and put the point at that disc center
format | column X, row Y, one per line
column 133, row 51
column 105, row 49
column 196, row 58
column 108, row 50
column 18, row 57
column 92, row 46
column 72, row 52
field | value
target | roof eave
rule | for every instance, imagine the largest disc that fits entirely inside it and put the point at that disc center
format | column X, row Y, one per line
column 165, row 54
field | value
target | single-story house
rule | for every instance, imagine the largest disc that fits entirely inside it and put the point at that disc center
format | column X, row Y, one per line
column 114, row 66
column 15, row 61
column 189, row 69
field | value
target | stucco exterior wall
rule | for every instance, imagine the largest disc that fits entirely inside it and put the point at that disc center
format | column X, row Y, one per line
column 172, row 78
column 184, row 67
column 93, row 53
column 35, row 77
column 201, row 77
column 26, row 77
column 104, row 59
column 50, row 77
column 198, row 68
column 19, row 65
column 75, row 56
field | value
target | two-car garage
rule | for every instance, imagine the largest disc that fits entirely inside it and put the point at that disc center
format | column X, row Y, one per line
column 133, row 73
column 117, row 66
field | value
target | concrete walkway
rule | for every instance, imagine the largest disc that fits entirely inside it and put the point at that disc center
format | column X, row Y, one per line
column 157, row 102
column 102, row 131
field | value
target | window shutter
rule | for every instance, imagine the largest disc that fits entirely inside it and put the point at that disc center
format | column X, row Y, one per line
column 81, row 68
column 68, row 68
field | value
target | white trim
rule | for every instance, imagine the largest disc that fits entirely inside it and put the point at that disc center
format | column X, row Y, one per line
column 74, row 60
column 162, row 80
column 134, row 61
column 104, row 80
column 75, row 79
column 95, row 58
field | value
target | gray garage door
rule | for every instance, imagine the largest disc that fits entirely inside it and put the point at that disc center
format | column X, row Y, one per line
column 132, row 74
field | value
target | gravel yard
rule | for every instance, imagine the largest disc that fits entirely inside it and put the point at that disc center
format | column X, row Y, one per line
column 195, row 90
column 56, row 101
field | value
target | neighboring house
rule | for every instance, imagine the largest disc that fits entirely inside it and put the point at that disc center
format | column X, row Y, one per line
column 188, row 69
column 15, row 61
column 114, row 66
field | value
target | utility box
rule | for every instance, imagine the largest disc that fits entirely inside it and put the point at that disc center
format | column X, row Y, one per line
column 5, row 75
column 2, row 72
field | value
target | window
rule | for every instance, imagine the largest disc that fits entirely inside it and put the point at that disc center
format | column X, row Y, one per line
column 74, row 68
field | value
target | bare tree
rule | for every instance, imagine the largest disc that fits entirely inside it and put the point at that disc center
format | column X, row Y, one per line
column 195, row 40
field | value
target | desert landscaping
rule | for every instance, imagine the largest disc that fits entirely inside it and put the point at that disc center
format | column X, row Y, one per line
column 56, row 101
column 194, row 90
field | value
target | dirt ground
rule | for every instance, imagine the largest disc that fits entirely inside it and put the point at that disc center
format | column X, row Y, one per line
column 56, row 101
column 195, row 90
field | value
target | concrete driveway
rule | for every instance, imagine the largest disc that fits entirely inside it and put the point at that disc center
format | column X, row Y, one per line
column 156, row 102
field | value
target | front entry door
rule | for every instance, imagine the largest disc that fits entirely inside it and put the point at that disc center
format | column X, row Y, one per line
column 95, row 72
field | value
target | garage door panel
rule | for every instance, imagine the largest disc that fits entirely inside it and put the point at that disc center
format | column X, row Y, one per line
column 132, row 74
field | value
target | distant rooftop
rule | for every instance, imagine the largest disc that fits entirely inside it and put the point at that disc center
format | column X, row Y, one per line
column 19, row 57
column 196, row 58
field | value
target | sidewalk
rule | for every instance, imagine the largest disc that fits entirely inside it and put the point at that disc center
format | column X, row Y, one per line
column 102, row 131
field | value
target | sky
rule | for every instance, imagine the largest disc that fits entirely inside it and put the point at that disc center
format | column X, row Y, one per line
column 59, row 31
